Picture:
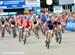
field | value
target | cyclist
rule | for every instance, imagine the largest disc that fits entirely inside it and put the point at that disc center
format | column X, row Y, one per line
column 3, row 22
column 57, row 26
column 13, row 26
column 20, row 21
column 49, row 27
column 20, row 24
column 7, row 25
column 43, row 22
column 28, row 23
column 63, row 22
column 35, row 25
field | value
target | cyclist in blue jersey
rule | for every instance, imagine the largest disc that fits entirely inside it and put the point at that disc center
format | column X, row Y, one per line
column 43, row 22
column 49, row 27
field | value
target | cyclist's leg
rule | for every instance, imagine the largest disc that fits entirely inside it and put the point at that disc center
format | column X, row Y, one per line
column 8, row 29
column 56, row 32
column 3, row 30
column 46, row 35
column 43, row 27
column 46, row 32
column 52, row 33
column 30, row 28
column 55, row 29
column 35, row 30
column 14, row 31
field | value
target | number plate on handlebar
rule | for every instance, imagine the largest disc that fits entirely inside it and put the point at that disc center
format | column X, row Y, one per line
column 12, row 25
column 51, row 31
column 3, row 25
column 20, row 27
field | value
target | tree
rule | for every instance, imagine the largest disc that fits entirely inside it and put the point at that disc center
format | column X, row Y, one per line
column 43, row 4
column 55, row 2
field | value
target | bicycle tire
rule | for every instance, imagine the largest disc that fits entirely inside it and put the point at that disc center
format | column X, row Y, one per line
column 60, row 38
column 22, row 35
column 48, row 42
column 37, row 35
column 14, row 35
column 63, row 30
column 3, row 32
column 25, row 40
column 48, row 45
column 19, row 36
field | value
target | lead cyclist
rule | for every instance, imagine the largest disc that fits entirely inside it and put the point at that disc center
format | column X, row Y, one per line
column 49, row 28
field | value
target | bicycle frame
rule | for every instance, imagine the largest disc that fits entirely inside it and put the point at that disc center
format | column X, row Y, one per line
column 26, row 35
column 3, row 30
column 58, row 36
column 14, row 32
column 49, row 38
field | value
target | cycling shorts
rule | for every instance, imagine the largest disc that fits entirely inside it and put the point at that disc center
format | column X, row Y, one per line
column 47, row 29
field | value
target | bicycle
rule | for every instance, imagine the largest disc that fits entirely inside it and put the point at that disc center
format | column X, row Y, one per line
column 8, row 29
column 36, row 32
column 49, row 38
column 20, row 33
column 63, row 28
column 26, row 35
column 58, row 36
column 3, row 30
column 13, row 30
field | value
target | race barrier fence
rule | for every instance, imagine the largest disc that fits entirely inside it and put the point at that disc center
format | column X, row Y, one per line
column 70, row 25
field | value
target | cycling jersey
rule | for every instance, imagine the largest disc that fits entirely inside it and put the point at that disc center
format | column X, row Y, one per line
column 3, row 21
column 43, row 19
column 20, row 21
column 34, row 21
column 28, row 24
column 13, row 22
column 50, row 25
column 57, row 23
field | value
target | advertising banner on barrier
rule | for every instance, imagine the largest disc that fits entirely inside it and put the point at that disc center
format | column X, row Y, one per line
column 9, row 4
column 64, row 2
column 1, row 2
column 57, row 9
column 70, row 25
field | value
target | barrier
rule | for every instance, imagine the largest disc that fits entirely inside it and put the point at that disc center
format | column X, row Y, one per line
column 70, row 25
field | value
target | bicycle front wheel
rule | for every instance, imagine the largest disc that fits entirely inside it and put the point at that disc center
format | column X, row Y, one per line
column 48, row 41
column 60, row 37
column 25, row 39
